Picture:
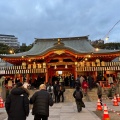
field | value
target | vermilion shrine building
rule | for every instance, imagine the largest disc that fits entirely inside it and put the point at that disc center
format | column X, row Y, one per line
column 54, row 56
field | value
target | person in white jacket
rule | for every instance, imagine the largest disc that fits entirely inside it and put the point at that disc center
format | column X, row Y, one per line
column 26, row 85
column 110, row 79
column 50, row 89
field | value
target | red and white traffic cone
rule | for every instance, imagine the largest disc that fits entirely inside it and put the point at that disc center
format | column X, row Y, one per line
column 105, row 114
column 1, row 103
column 115, row 103
column 99, row 107
column 118, row 98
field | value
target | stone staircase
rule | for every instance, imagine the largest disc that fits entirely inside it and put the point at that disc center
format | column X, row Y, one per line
column 68, row 95
column 92, row 94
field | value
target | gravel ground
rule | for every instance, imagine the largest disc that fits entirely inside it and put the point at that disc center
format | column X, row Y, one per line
column 113, row 116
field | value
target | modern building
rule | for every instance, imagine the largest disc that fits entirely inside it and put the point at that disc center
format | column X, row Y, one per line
column 23, row 44
column 97, row 41
column 62, row 56
column 9, row 40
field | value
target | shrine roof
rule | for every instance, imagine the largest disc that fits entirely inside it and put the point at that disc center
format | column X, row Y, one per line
column 78, row 45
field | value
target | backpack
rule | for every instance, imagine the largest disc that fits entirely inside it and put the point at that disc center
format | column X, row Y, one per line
column 49, row 90
column 77, row 81
column 62, row 89
column 77, row 95
column 57, row 88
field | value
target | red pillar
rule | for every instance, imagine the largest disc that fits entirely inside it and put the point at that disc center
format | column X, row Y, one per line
column 75, row 72
column 46, row 75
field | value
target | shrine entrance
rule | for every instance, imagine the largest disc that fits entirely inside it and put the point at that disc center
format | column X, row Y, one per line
column 64, row 72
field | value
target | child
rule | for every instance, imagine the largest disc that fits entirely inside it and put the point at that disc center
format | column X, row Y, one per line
column 84, row 87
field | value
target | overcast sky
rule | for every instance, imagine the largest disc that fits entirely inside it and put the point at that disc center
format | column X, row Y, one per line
column 29, row 19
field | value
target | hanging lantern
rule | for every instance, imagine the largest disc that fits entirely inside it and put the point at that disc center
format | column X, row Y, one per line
column 44, row 65
column 39, row 66
column 34, row 65
column 55, row 67
column 119, row 58
column 76, row 63
column 66, row 66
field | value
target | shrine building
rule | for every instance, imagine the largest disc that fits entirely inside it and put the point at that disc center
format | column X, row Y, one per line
column 61, row 56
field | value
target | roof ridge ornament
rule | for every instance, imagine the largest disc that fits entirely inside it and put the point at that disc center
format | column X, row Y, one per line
column 59, row 52
column 59, row 43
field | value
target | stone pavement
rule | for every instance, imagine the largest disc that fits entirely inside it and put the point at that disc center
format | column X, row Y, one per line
column 3, row 113
column 68, row 110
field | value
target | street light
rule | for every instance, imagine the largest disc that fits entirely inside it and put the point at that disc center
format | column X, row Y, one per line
column 11, row 51
column 106, row 37
column 97, row 49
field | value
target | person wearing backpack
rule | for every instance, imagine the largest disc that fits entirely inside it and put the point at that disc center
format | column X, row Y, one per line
column 50, row 89
column 61, row 93
column 77, row 94
column 99, row 92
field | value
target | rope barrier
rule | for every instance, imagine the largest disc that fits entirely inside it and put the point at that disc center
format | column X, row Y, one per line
column 110, row 109
column 114, row 111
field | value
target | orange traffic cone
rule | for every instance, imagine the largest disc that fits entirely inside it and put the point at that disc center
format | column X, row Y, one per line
column 115, row 103
column 1, row 103
column 105, row 114
column 99, row 107
column 118, row 98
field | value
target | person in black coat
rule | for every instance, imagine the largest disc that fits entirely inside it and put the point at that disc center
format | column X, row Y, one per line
column 61, row 93
column 17, row 103
column 78, row 93
column 56, row 88
column 41, row 101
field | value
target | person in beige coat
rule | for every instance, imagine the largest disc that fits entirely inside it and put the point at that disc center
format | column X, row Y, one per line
column 99, row 92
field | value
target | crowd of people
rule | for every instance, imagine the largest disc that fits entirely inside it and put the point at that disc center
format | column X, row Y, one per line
column 69, row 81
column 48, row 94
column 17, row 102
column 56, row 91
column 57, row 86
column 42, row 99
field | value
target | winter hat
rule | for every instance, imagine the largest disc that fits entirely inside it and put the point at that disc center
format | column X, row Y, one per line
column 19, row 84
